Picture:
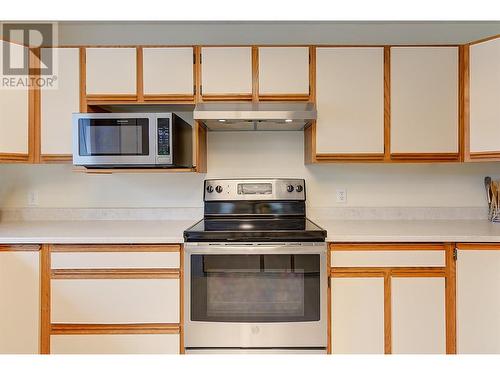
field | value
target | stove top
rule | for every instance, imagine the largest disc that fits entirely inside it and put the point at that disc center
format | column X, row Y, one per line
column 244, row 229
column 255, row 210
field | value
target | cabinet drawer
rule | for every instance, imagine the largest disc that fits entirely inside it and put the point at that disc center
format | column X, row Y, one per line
column 392, row 258
column 115, row 301
column 116, row 260
column 115, row 344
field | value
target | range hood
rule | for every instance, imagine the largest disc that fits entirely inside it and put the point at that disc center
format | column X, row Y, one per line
column 232, row 116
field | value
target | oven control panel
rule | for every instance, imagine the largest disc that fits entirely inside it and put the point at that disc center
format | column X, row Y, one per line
column 255, row 189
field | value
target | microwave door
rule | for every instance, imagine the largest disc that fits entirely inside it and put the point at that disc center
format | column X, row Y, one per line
column 115, row 141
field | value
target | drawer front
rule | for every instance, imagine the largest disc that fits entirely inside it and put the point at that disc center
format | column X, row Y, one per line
column 115, row 301
column 393, row 258
column 116, row 260
column 115, row 344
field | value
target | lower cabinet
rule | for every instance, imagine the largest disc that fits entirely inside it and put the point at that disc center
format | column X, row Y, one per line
column 478, row 299
column 115, row 344
column 114, row 299
column 357, row 315
column 418, row 315
column 19, row 301
column 388, row 298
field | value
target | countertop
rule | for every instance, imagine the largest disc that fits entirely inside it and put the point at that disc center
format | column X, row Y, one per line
column 170, row 231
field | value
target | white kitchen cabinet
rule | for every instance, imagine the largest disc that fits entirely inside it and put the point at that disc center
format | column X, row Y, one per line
column 350, row 100
column 388, row 258
column 19, row 302
column 114, row 260
column 424, row 100
column 115, row 344
column 226, row 70
column 111, row 71
column 115, row 301
column 418, row 315
column 60, row 102
column 478, row 301
column 168, row 71
column 14, row 106
column 357, row 315
column 283, row 70
column 484, row 94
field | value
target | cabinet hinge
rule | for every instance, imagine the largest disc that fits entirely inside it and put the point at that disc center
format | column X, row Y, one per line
column 194, row 89
column 194, row 58
column 329, row 282
column 200, row 58
column 201, row 90
column 455, row 253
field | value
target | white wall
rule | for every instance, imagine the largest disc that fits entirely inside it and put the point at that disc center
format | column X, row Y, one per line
column 254, row 154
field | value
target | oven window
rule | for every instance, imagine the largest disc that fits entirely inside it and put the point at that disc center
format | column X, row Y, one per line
column 113, row 137
column 255, row 288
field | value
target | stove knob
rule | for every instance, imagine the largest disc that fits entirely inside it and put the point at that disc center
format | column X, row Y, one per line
column 218, row 189
column 210, row 188
column 299, row 188
column 289, row 188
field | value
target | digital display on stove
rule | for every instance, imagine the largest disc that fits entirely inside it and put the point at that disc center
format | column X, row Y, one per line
column 255, row 188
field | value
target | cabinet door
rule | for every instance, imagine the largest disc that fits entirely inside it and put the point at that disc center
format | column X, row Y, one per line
column 485, row 97
column 111, row 71
column 283, row 70
column 350, row 100
column 168, row 71
column 19, row 302
column 13, row 107
column 478, row 302
column 424, row 100
column 115, row 344
column 226, row 70
column 357, row 315
column 418, row 315
column 58, row 104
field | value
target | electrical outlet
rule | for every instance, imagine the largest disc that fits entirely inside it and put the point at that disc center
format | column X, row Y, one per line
column 341, row 195
column 33, row 198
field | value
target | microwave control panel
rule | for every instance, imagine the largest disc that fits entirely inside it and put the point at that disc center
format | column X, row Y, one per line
column 163, row 141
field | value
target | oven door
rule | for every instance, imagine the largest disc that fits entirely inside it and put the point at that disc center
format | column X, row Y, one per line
column 120, row 139
column 255, row 295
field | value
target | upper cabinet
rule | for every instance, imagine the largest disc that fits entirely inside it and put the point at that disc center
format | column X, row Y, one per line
column 57, row 105
column 226, row 72
column 350, row 102
column 168, row 72
column 111, row 71
column 14, row 118
column 484, row 94
column 424, row 103
column 284, row 71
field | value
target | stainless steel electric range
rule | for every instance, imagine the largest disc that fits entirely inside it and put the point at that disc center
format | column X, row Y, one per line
column 255, row 270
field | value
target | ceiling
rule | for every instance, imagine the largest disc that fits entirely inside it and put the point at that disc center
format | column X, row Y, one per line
column 275, row 32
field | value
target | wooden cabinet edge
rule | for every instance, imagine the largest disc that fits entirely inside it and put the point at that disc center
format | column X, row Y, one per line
column 19, row 247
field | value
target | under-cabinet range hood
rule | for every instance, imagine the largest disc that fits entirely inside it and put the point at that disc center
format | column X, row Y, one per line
column 232, row 116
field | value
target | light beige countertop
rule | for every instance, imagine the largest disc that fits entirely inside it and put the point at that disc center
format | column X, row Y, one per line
column 171, row 231
column 411, row 230
column 93, row 231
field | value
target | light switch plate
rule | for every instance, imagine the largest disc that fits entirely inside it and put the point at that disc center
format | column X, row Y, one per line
column 33, row 198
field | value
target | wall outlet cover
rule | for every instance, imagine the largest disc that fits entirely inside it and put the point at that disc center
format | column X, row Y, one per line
column 341, row 196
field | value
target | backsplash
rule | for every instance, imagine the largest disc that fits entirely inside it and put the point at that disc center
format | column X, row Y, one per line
column 253, row 154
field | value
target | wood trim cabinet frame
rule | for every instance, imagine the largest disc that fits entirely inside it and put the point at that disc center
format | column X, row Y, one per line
column 448, row 272
column 47, row 328
column 311, row 156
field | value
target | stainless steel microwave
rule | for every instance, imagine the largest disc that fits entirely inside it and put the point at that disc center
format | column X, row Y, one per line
column 156, row 140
